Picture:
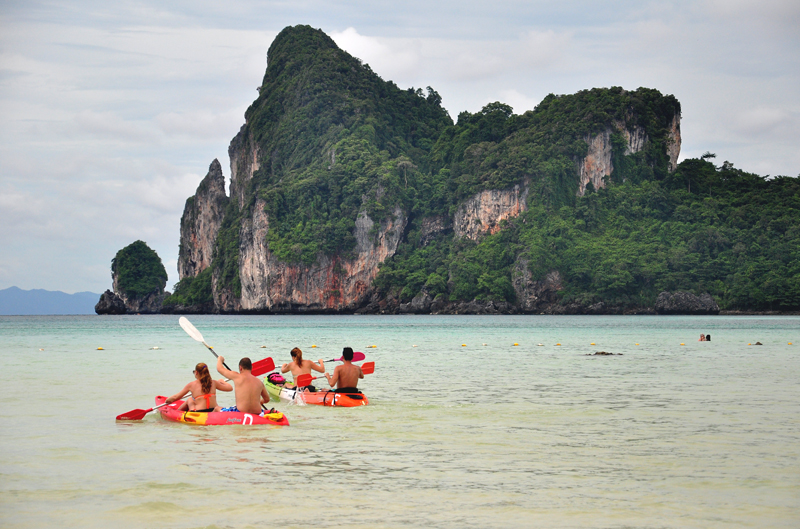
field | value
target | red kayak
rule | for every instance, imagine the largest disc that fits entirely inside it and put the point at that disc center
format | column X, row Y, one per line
column 218, row 418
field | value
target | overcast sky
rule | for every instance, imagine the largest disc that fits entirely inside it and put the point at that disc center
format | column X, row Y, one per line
column 111, row 112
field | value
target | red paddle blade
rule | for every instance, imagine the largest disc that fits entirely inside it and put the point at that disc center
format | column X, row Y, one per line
column 368, row 368
column 134, row 415
column 303, row 381
column 263, row 366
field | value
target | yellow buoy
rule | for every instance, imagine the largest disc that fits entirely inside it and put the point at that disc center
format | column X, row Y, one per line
column 43, row 349
column 558, row 344
column 683, row 344
column 515, row 344
column 414, row 346
column 313, row 346
column 463, row 345
column 637, row 344
column 592, row 343
column 790, row 343
column 486, row 344
column 100, row 349
column 540, row 345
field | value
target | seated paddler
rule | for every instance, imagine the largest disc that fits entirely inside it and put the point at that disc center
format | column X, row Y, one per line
column 250, row 392
column 345, row 377
column 203, row 391
column 298, row 367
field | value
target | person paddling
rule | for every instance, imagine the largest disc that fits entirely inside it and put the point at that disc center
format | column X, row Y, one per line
column 203, row 390
column 298, row 367
column 345, row 377
column 250, row 392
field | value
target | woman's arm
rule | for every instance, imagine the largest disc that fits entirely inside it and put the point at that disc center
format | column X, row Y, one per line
column 284, row 368
column 180, row 394
column 318, row 367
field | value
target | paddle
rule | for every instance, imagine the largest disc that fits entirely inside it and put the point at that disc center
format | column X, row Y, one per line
column 357, row 357
column 305, row 380
column 137, row 415
column 263, row 366
column 192, row 331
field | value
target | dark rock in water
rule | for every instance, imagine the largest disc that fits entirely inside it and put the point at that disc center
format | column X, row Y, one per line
column 758, row 343
column 110, row 303
column 603, row 353
column 685, row 303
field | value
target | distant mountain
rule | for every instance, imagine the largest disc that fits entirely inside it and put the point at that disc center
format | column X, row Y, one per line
column 15, row 301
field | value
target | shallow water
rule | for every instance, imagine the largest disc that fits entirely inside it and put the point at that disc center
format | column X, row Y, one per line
column 473, row 435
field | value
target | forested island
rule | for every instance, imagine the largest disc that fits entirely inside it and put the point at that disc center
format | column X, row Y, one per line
column 351, row 195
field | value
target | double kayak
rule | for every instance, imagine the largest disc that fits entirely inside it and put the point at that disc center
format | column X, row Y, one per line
column 319, row 398
column 217, row 418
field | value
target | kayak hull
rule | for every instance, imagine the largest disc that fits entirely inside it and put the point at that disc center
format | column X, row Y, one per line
column 171, row 413
column 318, row 398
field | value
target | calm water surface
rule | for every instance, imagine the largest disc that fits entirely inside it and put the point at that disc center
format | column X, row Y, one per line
column 484, row 434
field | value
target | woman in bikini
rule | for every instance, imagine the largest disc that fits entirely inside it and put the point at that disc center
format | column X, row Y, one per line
column 298, row 366
column 203, row 389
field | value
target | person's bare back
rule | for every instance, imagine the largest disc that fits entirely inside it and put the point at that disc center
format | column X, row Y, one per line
column 298, row 366
column 248, row 389
column 346, row 375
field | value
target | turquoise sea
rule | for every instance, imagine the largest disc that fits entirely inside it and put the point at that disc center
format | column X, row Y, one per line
column 464, row 430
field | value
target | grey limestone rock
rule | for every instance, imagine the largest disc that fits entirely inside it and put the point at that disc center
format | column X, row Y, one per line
column 682, row 302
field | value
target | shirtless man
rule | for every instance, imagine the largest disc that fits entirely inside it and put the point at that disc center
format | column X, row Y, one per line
column 298, row 366
column 345, row 377
column 250, row 392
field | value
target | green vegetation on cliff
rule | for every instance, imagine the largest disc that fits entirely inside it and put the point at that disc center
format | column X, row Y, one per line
column 735, row 235
column 333, row 138
column 192, row 291
column 139, row 270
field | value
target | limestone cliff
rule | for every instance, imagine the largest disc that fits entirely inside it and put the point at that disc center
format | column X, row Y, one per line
column 244, row 154
column 202, row 217
column 674, row 146
column 597, row 164
column 534, row 295
column 483, row 212
column 332, row 284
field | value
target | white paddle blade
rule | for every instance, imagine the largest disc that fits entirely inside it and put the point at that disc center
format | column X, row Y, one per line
column 190, row 329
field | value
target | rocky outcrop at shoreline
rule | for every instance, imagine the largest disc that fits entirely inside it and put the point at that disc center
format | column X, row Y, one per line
column 110, row 303
column 685, row 303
